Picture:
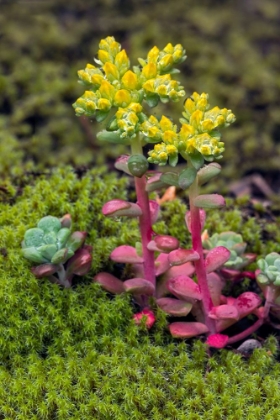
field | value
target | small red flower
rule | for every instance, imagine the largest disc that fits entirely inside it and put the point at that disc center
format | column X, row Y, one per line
column 148, row 315
column 217, row 340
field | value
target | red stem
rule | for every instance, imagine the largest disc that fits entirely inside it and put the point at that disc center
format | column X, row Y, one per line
column 200, row 264
column 145, row 226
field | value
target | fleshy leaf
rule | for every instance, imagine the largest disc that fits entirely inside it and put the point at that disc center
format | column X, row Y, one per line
column 215, row 285
column 139, row 286
column 183, row 287
column 33, row 237
column 174, row 307
column 246, row 303
column 66, row 221
column 109, row 282
column 186, row 178
column 161, row 264
column 126, row 254
column 209, row 201
column 181, row 256
column 208, row 172
column 116, row 208
column 170, row 178
column 154, row 210
column 61, row 256
column 224, row 312
column 63, row 236
column 122, row 165
column 44, row 270
column 32, row 254
column 49, row 224
column 217, row 341
column 216, row 258
column 76, row 240
column 163, row 243
column 155, row 183
column 47, row 251
column 187, row 329
column 80, row 263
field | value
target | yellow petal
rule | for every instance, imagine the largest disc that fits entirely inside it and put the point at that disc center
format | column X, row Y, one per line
column 165, row 123
column 122, row 61
column 122, row 98
column 111, row 71
column 149, row 71
column 153, row 55
column 107, row 90
column 129, row 80
column 103, row 56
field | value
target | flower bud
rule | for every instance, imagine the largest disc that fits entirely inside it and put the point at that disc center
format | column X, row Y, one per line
column 137, row 165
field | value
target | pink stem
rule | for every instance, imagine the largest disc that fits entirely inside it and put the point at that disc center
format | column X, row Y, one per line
column 200, row 264
column 145, row 226
column 270, row 296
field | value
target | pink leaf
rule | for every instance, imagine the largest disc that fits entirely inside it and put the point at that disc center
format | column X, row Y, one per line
column 215, row 285
column 121, row 164
column 202, row 216
column 126, row 254
column 66, row 221
column 117, row 208
column 44, row 270
column 109, row 282
column 161, row 264
column 246, row 303
column 187, row 329
column 163, row 243
column 209, row 201
column 80, row 263
column 155, row 183
column 154, row 210
column 177, row 270
column 146, row 313
column 139, row 286
column 181, row 256
column 174, row 307
column 217, row 341
column 216, row 258
column 224, row 312
column 183, row 287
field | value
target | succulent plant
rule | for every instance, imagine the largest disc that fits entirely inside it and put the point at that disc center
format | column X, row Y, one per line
column 269, row 269
column 235, row 244
column 59, row 253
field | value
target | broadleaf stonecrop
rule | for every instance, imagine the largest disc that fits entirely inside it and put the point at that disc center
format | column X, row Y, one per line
column 122, row 95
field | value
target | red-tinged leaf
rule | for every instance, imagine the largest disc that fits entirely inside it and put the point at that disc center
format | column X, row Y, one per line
column 174, row 307
column 139, row 286
column 209, row 201
column 208, row 172
column 177, row 270
column 163, row 243
column 122, row 164
column 187, row 329
column 44, row 270
column 216, row 258
column 66, row 221
column 126, row 254
column 80, row 263
column 215, row 285
column 224, row 312
column 230, row 300
column 154, row 210
column 109, row 282
column 183, row 287
column 229, row 274
column 155, row 183
column 218, row 341
column 117, row 208
column 246, row 303
column 161, row 264
column 202, row 216
column 148, row 315
column 181, row 256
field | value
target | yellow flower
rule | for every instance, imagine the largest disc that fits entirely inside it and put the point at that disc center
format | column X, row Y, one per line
column 122, row 62
column 166, row 62
column 84, row 76
column 135, row 107
column 103, row 56
column 196, row 118
column 104, row 104
column 165, row 123
column 186, row 131
column 96, row 79
column 169, row 137
column 149, row 86
column 111, row 71
column 107, row 90
column 129, row 80
column 149, row 71
column 153, row 55
column 122, row 98
column 169, row 49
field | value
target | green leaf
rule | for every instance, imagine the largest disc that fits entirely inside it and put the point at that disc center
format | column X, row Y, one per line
column 61, row 256
column 208, row 172
column 170, row 178
column 49, row 224
column 187, row 177
column 33, row 237
column 63, row 236
column 50, row 238
column 173, row 160
column 101, row 115
column 197, row 160
column 152, row 100
column 209, row 201
column 112, row 137
column 47, row 251
column 32, row 254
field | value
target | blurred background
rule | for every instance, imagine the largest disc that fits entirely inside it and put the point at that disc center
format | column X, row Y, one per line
column 233, row 50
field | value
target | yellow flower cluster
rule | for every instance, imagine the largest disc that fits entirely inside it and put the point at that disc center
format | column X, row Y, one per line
column 111, row 84
column 198, row 134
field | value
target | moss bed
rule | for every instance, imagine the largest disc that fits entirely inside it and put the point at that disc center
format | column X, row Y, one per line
column 76, row 353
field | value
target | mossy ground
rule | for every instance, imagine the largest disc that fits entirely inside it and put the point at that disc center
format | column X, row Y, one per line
column 76, row 354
